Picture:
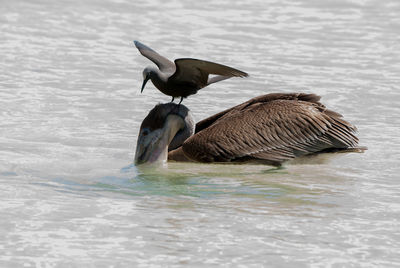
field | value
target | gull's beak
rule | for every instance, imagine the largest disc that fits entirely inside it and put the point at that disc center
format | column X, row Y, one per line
column 144, row 83
column 154, row 146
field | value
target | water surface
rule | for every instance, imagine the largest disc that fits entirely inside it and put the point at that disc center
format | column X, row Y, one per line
column 70, row 110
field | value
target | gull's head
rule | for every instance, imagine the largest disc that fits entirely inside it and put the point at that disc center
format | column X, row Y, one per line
column 147, row 72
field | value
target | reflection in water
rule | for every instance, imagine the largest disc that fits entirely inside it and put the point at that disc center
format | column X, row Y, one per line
column 182, row 180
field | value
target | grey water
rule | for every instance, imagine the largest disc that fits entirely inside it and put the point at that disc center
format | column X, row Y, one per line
column 70, row 110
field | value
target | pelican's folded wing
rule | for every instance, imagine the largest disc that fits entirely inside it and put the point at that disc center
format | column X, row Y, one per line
column 271, row 129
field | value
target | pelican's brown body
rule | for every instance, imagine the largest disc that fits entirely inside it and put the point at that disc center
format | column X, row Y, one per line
column 270, row 129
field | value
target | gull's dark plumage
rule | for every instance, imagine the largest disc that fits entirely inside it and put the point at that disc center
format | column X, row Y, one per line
column 183, row 77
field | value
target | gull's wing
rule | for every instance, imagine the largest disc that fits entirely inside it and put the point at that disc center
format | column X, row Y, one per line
column 273, row 128
column 197, row 71
column 163, row 63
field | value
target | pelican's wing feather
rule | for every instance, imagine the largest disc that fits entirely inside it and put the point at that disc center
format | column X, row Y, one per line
column 273, row 127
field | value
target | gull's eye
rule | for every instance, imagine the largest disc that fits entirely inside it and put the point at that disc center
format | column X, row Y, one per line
column 145, row 132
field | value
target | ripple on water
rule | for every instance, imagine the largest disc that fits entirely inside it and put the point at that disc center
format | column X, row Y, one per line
column 70, row 109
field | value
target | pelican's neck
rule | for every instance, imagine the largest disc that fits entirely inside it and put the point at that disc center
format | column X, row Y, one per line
column 157, row 137
column 173, row 124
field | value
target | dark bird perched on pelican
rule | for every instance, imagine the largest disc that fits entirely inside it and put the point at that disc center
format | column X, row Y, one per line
column 270, row 129
column 184, row 77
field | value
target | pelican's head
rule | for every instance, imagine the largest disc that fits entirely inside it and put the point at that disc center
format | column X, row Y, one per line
column 165, row 128
column 147, row 73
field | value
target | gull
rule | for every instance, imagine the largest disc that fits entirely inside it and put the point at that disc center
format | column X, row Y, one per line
column 185, row 76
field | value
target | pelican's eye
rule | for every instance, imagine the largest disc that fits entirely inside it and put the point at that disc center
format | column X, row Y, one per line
column 145, row 132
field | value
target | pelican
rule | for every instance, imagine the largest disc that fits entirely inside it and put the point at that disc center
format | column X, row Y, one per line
column 183, row 77
column 269, row 129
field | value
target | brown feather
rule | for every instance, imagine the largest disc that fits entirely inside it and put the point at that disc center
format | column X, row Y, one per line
column 274, row 127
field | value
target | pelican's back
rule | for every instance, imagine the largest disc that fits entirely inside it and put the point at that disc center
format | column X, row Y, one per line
column 271, row 128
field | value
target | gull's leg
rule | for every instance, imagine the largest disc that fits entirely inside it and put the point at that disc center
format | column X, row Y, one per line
column 173, row 99
column 181, row 100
